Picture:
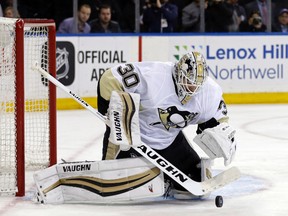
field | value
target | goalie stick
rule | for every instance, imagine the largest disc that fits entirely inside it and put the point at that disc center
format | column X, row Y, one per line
column 196, row 188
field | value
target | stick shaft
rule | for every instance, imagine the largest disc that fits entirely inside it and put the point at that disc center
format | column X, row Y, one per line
column 72, row 94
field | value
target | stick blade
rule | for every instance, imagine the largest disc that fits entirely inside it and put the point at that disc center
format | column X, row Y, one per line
column 222, row 179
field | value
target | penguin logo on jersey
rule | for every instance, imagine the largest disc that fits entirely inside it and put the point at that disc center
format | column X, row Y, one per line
column 172, row 117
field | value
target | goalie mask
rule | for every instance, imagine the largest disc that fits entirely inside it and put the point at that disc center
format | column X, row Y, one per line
column 190, row 74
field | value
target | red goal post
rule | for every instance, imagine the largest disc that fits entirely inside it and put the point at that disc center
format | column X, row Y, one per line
column 27, row 101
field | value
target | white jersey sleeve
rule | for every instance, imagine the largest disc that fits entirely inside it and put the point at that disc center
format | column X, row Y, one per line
column 212, row 103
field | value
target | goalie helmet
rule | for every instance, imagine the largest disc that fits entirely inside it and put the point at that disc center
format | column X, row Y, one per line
column 190, row 73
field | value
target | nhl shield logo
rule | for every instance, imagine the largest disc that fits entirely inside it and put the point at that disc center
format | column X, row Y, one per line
column 62, row 63
column 65, row 62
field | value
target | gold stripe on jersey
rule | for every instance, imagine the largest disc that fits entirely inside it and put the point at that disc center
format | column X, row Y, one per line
column 107, row 187
column 109, row 83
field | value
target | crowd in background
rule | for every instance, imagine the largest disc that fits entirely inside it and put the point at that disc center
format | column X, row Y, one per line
column 114, row 16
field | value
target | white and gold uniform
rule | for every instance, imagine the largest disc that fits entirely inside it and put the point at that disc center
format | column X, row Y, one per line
column 162, row 114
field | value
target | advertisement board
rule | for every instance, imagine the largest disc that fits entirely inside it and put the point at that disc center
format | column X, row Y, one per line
column 253, row 66
column 240, row 64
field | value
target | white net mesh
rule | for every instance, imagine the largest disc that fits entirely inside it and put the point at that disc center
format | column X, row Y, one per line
column 37, row 134
column 7, row 109
column 36, row 97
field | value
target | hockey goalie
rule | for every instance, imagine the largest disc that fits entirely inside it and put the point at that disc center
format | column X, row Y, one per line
column 149, row 103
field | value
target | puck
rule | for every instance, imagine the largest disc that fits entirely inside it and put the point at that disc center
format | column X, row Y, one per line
column 219, row 201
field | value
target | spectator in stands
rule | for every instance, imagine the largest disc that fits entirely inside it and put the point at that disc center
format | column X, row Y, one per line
column 254, row 23
column 10, row 13
column 68, row 24
column 161, row 16
column 282, row 24
column 180, row 4
column 262, row 7
column 104, row 24
column 219, row 16
column 239, row 15
column 191, row 16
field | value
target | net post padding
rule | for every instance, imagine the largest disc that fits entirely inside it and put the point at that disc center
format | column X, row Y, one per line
column 20, row 107
column 52, row 91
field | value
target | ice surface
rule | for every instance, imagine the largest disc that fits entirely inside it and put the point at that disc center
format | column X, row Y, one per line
column 262, row 157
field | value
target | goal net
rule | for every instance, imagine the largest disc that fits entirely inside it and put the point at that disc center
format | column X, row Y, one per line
column 27, row 101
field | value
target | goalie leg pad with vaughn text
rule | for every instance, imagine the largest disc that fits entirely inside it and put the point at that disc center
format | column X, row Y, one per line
column 99, row 181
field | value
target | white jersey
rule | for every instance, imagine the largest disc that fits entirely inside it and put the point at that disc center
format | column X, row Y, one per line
column 161, row 113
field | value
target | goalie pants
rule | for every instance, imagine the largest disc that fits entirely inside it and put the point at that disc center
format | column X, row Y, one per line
column 179, row 153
